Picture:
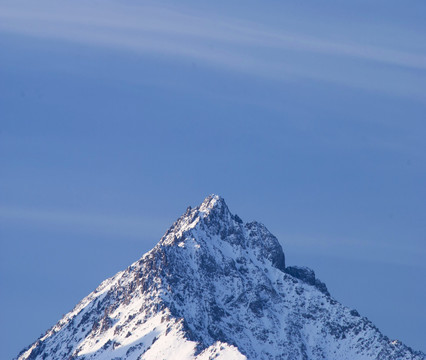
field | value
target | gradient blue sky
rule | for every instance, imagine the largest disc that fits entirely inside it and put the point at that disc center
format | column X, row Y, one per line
column 306, row 116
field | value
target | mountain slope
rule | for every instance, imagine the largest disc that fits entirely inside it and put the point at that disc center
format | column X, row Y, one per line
column 214, row 287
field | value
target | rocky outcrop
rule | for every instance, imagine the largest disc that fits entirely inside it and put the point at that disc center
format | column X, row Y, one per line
column 307, row 276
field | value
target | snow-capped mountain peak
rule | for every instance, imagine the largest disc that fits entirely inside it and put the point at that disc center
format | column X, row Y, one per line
column 214, row 287
column 212, row 220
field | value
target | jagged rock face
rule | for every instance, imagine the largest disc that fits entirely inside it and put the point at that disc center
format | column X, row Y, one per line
column 214, row 287
column 307, row 276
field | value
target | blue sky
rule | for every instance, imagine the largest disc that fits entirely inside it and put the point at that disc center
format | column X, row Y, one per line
column 117, row 115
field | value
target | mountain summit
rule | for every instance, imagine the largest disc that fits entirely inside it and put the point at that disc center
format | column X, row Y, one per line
column 214, row 287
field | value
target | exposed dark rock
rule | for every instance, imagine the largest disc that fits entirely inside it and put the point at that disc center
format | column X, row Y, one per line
column 307, row 276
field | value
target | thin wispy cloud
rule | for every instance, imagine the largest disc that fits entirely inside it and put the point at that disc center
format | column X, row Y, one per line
column 80, row 222
column 406, row 253
column 231, row 44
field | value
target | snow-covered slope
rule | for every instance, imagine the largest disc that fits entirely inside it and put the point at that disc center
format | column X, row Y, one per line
column 214, row 287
